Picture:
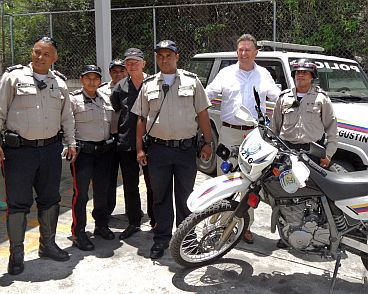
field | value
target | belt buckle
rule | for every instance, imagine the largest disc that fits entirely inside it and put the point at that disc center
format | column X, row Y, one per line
column 40, row 143
column 176, row 143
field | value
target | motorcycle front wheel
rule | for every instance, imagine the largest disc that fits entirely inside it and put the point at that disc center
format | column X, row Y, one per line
column 197, row 241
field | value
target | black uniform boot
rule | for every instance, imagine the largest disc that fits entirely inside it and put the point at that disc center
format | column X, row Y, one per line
column 48, row 222
column 16, row 225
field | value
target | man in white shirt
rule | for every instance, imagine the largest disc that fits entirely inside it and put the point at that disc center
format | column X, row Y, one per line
column 235, row 83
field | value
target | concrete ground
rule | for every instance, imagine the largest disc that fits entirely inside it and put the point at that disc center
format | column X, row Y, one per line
column 125, row 267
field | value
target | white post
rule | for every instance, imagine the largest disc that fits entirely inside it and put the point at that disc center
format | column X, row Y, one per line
column 103, row 36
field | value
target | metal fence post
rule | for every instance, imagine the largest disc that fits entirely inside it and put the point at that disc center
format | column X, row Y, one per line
column 154, row 35
column 11, row 38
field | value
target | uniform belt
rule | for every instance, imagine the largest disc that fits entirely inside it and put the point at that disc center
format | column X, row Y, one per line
column 243, row 128
column 183, row 143
column 95, row 147
column 38, row 142
column 304, row 146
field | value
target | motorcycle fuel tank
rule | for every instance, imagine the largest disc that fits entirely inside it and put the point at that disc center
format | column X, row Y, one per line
column 216, row 189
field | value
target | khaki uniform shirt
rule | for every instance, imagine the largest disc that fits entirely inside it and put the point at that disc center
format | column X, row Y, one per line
column 92, row 116
column 107, row 89
column 308, row 121
column 177, row 118
column 33, row 113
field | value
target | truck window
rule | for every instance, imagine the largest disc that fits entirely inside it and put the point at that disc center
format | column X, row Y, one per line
column 202, row 68
column 276, row 71
column 273, row 66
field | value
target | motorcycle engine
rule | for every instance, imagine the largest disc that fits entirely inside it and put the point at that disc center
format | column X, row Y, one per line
column 303, row 224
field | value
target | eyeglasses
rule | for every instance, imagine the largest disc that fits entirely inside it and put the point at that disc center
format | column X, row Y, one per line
column 47, row 40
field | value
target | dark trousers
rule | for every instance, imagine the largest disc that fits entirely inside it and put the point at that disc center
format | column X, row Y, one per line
column 96, row 168
column 130, row 172
column 32, row 167
column 114, row 171
column 170, row 168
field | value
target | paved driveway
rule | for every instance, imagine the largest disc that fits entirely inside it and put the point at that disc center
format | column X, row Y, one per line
column 124, row 266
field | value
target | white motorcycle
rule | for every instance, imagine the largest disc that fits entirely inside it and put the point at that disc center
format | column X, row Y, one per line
column 315, row 210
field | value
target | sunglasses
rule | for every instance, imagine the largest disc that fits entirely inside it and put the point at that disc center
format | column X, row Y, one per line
column 47, row 40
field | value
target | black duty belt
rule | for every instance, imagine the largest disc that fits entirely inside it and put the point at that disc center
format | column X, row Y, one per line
column 95, row 147
column 38, row 142
column 243, row 128
column 304, row 146
column 183, row 143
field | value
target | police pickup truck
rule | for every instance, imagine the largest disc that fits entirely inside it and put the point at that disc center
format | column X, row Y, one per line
column 343, row 80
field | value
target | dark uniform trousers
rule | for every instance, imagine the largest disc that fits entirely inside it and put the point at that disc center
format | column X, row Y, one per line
column 96, row 167
column 111, row 192
column 130, row 172
column 164, row 164
column 27, row 167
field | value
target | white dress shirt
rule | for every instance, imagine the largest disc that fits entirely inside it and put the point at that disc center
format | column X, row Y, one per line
column 236, row 87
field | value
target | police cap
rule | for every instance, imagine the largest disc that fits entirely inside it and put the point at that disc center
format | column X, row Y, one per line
column 91, row 68
column 167, row 44
column 133, row 53
column 116, row 62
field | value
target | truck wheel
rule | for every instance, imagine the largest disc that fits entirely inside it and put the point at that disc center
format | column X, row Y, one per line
column 209, row 166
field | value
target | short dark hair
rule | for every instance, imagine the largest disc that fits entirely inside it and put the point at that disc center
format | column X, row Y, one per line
column 47, row 40
column 247, row 37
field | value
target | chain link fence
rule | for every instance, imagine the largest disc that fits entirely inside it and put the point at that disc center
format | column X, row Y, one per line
column 196, row 28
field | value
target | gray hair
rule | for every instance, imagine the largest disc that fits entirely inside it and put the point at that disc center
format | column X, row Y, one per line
column 247, row 37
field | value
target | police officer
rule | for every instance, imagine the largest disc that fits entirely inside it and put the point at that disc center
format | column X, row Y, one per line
column 123, row 98
column 305, row 114
column 117, row 72
column 34, row 108
column 168, row 105
column 92, row 112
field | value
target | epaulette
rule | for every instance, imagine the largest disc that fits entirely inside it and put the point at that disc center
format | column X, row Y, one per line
column 189, row 74
column 103, row 84
column 76, row 92
column 60, row 75
column 11, row 68
column 284, row 92
column 320, row 90
column 148, row 79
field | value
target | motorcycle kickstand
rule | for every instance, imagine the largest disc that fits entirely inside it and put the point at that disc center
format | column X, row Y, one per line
column 337, row 265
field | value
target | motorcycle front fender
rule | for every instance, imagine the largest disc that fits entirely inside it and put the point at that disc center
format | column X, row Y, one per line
column 216, row 189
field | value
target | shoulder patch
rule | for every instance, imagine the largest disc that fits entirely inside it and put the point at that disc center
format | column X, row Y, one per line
column 76, row 92
column 11, row 68
column 148, row 79
column 60, row 75
column 103, row 84
column 284, row 92
column 189, row 74
column 320, row 90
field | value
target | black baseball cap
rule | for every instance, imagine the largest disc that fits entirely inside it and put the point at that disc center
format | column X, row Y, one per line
column 116, row 62
column 91, row 68
column 167, row 44
column 133, row 53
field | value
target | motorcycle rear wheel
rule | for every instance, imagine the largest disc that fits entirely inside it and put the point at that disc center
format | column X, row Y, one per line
column 195, row 240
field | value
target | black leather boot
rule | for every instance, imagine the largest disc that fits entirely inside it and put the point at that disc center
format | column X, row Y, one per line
column 48, row 222
column 16, row 225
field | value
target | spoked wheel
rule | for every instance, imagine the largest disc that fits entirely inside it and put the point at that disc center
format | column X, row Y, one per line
column 199, row 239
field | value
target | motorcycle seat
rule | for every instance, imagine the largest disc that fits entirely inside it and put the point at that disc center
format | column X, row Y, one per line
column 339, row 186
